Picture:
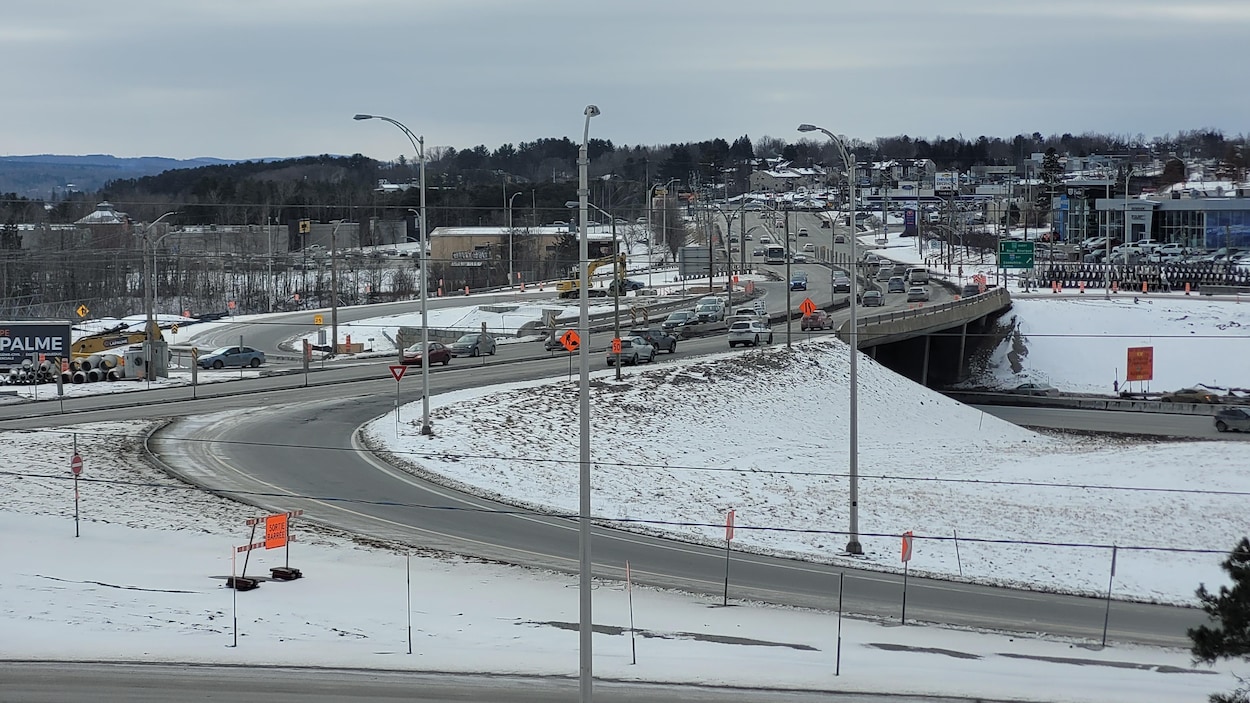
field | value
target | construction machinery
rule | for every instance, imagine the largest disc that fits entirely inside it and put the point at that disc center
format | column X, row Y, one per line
column 570, row 289
column 119, row 336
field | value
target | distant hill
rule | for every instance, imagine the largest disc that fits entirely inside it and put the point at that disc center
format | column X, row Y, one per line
column 50, row 176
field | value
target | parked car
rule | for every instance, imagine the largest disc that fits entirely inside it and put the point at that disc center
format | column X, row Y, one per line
column 758, row 251
column 798, row 281
column 896, row 284
column 750, row 332
column 656, row 337
column 1190, row 395
column 676, row 320
column 1233, row 420
column 818, row 320
column 917, row 294
column 841, row 284
column 1035, row 389
column 232, row 356
column 476, row 344
column 872, row 299
column 634, row 350
column 438, row 354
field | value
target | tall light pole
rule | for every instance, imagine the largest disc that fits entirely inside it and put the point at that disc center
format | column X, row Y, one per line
column 334, row 290
column 151, row 351
column 853, row 545
column 511, row 272
column 1107, row 283
column 418, row 143
column 586, row 624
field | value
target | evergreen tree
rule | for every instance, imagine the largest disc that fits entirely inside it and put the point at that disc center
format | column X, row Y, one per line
column 1230, row 638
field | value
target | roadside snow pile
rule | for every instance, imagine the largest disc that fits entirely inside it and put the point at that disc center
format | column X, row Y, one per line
column 1080, row 346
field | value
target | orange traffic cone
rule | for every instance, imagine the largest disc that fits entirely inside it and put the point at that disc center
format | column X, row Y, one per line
column 1186, row 289
column 1143, row 286
column 1082, row 287
column 1115, row 286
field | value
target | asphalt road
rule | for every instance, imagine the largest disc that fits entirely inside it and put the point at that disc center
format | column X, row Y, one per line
column 35, row 682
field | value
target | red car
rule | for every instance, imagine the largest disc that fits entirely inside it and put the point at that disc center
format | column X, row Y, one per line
column 439, row 354
column 818, row 320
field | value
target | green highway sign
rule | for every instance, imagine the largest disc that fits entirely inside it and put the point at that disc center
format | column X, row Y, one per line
column 1015, row 255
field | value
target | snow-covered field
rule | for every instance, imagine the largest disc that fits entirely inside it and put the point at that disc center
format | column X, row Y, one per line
column 144, row 582
column 765, row 432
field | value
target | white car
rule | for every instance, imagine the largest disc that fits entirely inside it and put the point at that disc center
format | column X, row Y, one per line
column 809, row 247
column 750, row 332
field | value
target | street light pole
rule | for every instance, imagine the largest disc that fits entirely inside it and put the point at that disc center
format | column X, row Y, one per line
column 853, row 545
column 586, row 623
column 618, row 278
column 511, row 272
column 418, row 143
column 149, row 353
column 334, row 290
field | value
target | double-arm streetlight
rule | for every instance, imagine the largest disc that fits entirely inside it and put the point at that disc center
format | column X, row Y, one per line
column 418, row 143
column 853, row 545
column 151, row 352
column 585, row 623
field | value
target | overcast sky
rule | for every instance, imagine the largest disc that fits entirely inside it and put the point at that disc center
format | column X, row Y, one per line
column 242, row 79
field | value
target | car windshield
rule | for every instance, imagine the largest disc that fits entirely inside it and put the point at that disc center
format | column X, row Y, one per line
column 221, row 351
column 467, row 339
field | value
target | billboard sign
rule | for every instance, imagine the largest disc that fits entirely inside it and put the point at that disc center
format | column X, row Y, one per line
column 26, row 340
column 946, row 181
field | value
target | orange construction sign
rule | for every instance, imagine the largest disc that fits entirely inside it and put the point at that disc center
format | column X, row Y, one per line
column 616, row 345
column 807, row 307
column 1141, row 364
column 275, row 531
column 729, row 525
column 907, row 546
column 571, row 340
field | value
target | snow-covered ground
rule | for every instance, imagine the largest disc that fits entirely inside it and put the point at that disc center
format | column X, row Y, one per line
column 765, row 432
column 144, row 582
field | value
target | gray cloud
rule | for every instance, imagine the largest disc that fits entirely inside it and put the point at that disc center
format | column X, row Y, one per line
column 246, row 79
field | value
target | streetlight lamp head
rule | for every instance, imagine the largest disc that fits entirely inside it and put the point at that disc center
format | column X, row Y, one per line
column 592, row 111
column 363, row 117
column 571, row 203
column 808, row 127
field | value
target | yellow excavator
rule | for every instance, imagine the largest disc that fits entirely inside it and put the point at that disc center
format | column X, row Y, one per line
column 569, row 288
column 101, row 342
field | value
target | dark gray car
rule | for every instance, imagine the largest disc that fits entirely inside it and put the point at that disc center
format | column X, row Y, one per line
column 476, row 344
column 1233, row 420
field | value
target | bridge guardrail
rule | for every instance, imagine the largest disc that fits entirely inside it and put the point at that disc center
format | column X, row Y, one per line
column 983, row 304
column 1085, row 403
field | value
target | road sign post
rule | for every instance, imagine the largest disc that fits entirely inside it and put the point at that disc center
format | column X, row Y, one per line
column 75, row 467
column 729, row 535
column 906, row 556
column 397, row 372
column 1014, row 254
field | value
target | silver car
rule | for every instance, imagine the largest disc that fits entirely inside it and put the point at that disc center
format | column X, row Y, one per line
column 633, row 351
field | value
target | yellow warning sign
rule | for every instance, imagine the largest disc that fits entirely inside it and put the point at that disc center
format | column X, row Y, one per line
column 318, row 320
column 82, row 311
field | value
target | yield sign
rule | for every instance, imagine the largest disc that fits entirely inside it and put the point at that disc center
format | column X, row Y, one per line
column 398, row 372
column 807, row 307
